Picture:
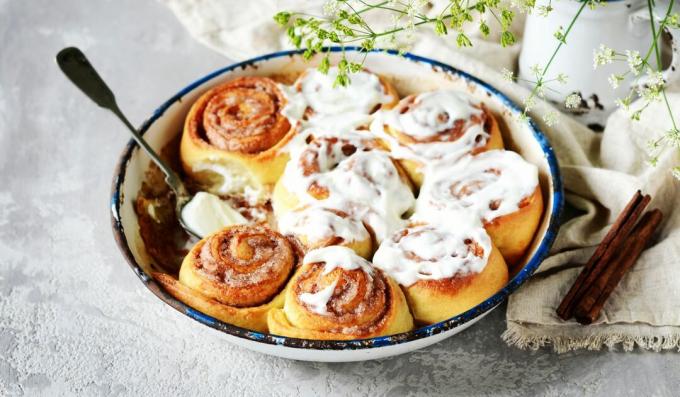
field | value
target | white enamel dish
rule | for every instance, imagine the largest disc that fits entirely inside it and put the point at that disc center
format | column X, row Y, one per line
column 409, row 73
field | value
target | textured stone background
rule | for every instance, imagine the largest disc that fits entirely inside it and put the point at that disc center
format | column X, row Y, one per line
column 75, row 320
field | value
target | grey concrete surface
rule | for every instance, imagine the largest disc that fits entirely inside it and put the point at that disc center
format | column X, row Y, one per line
column 74, row 320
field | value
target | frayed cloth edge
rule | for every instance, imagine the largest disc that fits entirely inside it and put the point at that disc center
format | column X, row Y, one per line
column 518, row 336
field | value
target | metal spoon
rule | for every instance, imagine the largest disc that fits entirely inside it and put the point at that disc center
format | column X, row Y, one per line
column 78, row 69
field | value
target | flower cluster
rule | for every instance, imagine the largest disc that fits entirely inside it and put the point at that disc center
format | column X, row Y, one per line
column 344, row 22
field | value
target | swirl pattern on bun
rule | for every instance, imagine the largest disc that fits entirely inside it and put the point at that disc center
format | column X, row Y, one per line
column 436, row 125
column 337, row 295
column 235, row 275
column 499, row 186
column 234, row 137
column 443, row 271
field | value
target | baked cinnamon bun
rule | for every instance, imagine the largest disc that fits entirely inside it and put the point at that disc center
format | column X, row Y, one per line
column 337, row 295
column 318, row 227
column 436, row 125
column 316, row 96
column 351, row 174
column 499, row 186
column 235, row 275
column 443, row 270
column 234, row 136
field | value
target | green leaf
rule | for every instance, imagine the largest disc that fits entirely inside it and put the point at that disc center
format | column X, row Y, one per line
column 282, row 18
column 325, row 64
column 484, row 28
column 354, row 67
column 463, row 41
column 440, row 28
column 506, row 18
column 507, row 38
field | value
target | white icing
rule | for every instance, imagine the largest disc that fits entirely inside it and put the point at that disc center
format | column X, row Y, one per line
column 336, row 256
column 365, row 184
column 434, row 252
column 423, row 120
column 319, row 92
column 207, row 213
column 319, row 300
column 232, row 181
column 431, row 113
column 494, row 177
column 319, row 224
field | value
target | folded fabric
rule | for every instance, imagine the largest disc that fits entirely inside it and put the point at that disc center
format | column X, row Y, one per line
column 601, row 172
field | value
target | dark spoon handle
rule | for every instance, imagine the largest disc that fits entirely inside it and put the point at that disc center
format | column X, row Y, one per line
column 80, row 71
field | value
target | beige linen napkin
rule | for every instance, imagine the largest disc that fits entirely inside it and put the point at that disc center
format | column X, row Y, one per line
column 600, row 171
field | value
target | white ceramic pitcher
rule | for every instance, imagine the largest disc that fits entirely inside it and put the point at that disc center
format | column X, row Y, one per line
column 619, row 24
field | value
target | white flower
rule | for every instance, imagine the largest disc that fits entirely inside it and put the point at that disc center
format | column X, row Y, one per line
column 623, row 103
column 652, row 88
column 562, row 78
column 330, row 8
column 676, row 172
column 634, row 61
column 543, row 11
column 673, row 135
column 603, row 56
column 615, row 80
column 550, row 118
column 572, row 101
column 507, row 74
column 536, row 70
column 529, row 103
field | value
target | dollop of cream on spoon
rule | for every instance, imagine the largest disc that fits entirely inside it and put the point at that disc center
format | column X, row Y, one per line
column 206, row 213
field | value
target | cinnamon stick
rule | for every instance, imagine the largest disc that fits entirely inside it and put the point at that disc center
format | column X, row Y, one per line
column 588, row 310
column 609, row 245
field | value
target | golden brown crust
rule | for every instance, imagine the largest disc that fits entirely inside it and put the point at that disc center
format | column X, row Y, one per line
column 239, row 266
column 513, row 233
column 362, row 305
column 235, row 275
column 242, row 115
column 432, row 301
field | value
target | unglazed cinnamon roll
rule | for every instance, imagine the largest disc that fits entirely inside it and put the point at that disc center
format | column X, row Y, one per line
column 499, row 186
column 436, row 125
column 234, row 135
column 350, row 174
column 443, row 270
column 317, row 227
column 337, row 295
column 315, row 96
column 235, row 275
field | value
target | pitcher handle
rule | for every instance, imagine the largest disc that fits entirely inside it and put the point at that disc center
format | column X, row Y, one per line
column 672, row 73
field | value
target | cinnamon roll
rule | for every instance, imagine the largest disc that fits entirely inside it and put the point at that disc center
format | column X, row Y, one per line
column 436, row 125
column 234, row 136
column 318, row 227
column 337, row 295
column 316, row 96
column 350, row 174
column 443, row 270
column 235, row 275
column 499, row 186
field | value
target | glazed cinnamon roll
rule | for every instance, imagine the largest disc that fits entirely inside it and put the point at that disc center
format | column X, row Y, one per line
column 337, row 295
column 316, row 95
column 499, row 186
column 350, row 174
column 318, row 227
column 235, row 275
column 234, row 135
column 443, row 270
column 435, row 125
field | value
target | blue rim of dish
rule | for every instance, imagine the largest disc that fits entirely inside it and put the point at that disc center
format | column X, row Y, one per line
column 496, row 299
